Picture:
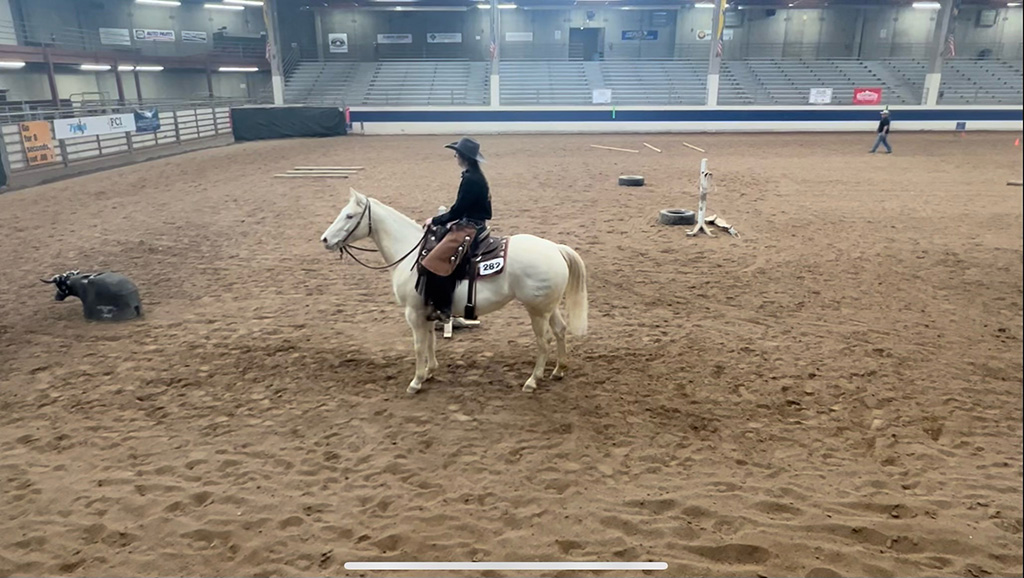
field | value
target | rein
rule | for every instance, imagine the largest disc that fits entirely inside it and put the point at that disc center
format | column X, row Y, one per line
column 345, row 249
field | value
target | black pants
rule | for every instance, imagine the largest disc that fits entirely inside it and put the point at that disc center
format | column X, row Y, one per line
column 438, row 291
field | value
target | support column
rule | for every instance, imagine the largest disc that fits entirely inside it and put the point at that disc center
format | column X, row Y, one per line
column 715, row 58
column 52, row 78
column 858, row 38
column 138, row 86
column 933, row 78
column 274, row 50
column 495, row 52
column 318, row 23
column 209, row 81
column 120, row 83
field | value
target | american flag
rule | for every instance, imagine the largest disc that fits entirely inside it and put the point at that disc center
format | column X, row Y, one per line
column 494, row 49
column 950, row 37
column 718, row 49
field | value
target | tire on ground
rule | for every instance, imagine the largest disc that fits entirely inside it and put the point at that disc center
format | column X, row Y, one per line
column 631, row 181
column 677, row 217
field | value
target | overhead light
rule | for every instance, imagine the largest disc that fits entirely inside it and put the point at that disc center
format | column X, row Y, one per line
column 245, row 2
column 159, row 2
column 416, row 8
column 223, row 7
column 927, row 5
column 238, row 69
column 11, row 64
column 148, row 68
column 704, row 5
column 95, row 67
column 500, row 6
column 1012, row 4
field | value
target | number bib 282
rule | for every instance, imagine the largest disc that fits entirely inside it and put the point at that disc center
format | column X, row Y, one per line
column 491, row 267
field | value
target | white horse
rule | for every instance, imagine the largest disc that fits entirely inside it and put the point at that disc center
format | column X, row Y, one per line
column 538, row 273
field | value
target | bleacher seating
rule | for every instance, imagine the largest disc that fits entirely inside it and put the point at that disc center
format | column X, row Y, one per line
column 788, row 82
column 644, row 82
column 529, row 82
column 397, row 83
column 981, row 82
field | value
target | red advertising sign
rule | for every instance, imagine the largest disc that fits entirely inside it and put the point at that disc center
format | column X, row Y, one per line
column 867, row 96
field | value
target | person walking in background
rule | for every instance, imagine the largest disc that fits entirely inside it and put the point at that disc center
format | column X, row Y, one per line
column 883, row 134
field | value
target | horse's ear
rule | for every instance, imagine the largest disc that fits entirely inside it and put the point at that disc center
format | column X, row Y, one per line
column 357, row 196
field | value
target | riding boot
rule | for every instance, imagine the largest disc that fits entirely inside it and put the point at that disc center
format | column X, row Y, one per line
column 439, row 292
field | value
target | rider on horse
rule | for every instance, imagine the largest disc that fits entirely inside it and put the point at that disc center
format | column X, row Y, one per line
column 471, row 211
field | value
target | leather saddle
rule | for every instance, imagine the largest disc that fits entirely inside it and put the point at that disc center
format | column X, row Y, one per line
column 452, row 251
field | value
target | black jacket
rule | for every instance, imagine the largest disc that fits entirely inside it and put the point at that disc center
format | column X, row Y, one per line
column 473, row 201
column 883, row 126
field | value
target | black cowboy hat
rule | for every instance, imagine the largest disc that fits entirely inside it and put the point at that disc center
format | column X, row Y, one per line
column 468, row 148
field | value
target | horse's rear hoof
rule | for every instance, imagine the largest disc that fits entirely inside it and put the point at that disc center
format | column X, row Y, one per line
column 529, row 387
column 413, row 388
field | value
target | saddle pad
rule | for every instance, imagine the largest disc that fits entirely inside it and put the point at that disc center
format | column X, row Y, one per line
column 490, row 259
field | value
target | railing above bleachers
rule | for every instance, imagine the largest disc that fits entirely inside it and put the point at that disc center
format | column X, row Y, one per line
column 88, row 40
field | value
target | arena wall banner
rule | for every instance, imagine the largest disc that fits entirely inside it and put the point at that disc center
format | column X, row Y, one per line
column 65, row 128
column 152, row 35
column 394, row 39
column 35, row 135
column 869, row 96
column 193, row 37
column 639, row 35
column 444, row 37
column 147, row 120
column 116, row 36
column 338, row 42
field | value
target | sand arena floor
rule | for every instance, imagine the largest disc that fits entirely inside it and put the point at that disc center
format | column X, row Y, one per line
column 838, row 392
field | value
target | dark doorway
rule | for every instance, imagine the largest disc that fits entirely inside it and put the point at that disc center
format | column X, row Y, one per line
column 586, row 43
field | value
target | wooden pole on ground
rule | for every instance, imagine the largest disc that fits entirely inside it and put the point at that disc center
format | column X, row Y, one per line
column 653, row 148
column 614, row 149
column 698, row 149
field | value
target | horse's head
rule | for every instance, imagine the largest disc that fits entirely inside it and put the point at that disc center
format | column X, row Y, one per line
column 62, row 282
column 352, row 224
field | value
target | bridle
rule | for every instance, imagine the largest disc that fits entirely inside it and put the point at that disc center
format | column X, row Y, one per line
column 344, row 249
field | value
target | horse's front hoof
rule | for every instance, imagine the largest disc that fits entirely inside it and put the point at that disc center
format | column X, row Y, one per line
column 413, row 387
column 530, row 387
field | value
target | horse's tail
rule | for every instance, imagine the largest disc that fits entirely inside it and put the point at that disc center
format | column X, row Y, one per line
column 576, row 292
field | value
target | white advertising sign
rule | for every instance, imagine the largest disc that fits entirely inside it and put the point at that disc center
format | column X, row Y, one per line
column 338, row 42
column 116, row 36
column 602, row 96
column 64, row 128
column 193, row 36
column 708, row 34
column 151, row 35
column 821, row 96
column 394, row 39
column 519, row 37
column 444, row 37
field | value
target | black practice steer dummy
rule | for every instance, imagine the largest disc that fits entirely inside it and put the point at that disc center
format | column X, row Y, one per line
column 105, row 296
